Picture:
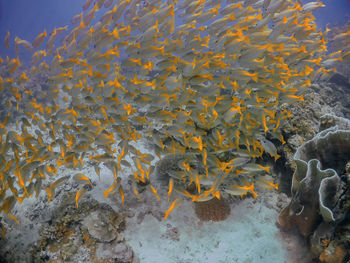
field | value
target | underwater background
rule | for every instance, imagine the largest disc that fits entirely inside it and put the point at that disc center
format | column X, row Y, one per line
column 215, row 167
column 27, row 18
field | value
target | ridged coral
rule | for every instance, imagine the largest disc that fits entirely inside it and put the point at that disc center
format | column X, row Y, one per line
column 213, row 209
column 320, row 205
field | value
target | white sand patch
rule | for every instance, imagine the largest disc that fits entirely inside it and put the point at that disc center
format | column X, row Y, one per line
column 248, row 235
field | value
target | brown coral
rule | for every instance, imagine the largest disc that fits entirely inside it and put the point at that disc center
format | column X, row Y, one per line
column 333, row 253
column 213, row 209
column 306, row 221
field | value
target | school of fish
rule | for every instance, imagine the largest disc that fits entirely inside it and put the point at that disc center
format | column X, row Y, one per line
column 201, row 79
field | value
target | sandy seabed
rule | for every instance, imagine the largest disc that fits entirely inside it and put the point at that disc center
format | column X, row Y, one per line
column 249, row 234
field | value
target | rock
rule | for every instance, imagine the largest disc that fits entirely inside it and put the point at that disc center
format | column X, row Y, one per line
column 329, row 120
column 321, row 237
column 340, row 80
column 120, row 252
column 333, row 254
column 295, row 141
column 335, row 93
column 103, row 224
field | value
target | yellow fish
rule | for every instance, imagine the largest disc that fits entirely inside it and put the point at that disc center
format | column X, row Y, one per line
column 39, row 39
column 173, row 205
column 79, row 194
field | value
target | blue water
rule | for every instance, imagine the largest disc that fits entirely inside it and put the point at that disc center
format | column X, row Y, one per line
column 28, row 18
column 336, row 13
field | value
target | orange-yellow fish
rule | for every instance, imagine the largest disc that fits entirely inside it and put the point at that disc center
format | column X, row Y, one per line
column 79, row 194
column 7, row 40
column 115, row 184
column 153, row 190
column 173, row 205
column 121, row 192
column 171, row 187
column 135, row 191
column 87, row 4
column 82, row 177
column 39, row 39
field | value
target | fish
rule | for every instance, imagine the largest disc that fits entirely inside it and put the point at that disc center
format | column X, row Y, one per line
column 25, row 43
column 241, row 190
column 196, row 79
column 153, row 190
column 239, row 161
column 113, row 187
column 102, row 157
column 39, row 39
column 173, row 205
column 79, row 194
column 97, row 170
column 135, row 191
column 341, row 36
column 100, row 3
column 7, row 40
column 82, row 178
column 171, row 187
column 108, row 3
column 274, row 7
column 312, row 6
column 13, row 218
column 265, row 5
column 261, row 181
column 3, row 231
column 254, row 167
column 269, row 147
column 87, row 4
column 38, row 56
column 8, row 204
column 76, row 18
column 51, row 189
column 88, row 18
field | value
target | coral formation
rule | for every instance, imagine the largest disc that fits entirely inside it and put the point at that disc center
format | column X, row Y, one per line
column 320, row 203
column 103, row 224
column 322, row 102
column 335, row 93
column 213, row 209
column 303, row 125
column 333, row 254
column 83, row 235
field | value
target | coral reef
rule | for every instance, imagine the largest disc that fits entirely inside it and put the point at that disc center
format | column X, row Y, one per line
column 213, row 209
column 209, row 84
column 323, row 99
column 320, row 191
column 303, row 125
column 103, row 224
column 92, row 233
column 205, row 92
column 335, row 93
